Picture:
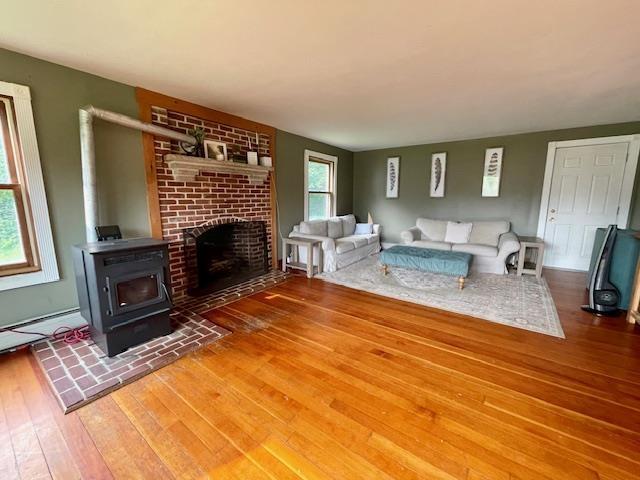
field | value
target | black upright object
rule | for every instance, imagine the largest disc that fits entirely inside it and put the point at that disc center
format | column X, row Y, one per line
column 603, row 295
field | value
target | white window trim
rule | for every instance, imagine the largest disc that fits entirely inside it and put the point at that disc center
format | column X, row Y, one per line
column 329, row 158
column 35, row 187
column 627, row 184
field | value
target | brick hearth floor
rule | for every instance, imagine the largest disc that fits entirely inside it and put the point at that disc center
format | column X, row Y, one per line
column 81, row 373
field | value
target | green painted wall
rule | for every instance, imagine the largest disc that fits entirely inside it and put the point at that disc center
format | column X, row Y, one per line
column 57, row 94
column 290, row 177
column 520, row 189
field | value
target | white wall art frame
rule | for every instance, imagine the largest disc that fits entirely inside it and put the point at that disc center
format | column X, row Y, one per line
column 492, row 172
column 213, row 149
column 438, row 172
column 393, row 176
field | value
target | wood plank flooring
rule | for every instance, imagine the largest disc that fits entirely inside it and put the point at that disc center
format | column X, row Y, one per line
column 320, row 381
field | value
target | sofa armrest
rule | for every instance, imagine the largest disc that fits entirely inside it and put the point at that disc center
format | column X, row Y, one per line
column 508, row 244
column 410, row 235
column 328, row 243
column 377, row 228
column 296, row 229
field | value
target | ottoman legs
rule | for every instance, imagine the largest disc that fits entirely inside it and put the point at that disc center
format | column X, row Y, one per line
column 460, row 283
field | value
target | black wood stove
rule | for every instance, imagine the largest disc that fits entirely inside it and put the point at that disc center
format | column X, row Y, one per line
column 123, row 291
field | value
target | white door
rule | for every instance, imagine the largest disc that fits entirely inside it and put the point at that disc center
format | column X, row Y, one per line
column 585, row 195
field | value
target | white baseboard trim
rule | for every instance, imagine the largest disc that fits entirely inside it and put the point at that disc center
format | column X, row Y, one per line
column 10, row 340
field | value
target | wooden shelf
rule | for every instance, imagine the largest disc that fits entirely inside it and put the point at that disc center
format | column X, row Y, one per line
column 185, row 168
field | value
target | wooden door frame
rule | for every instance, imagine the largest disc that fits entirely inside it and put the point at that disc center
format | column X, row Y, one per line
column 627, row 184
column 146, row 100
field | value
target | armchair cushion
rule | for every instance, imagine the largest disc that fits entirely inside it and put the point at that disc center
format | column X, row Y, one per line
column 334, row 228
column 434, row 230
column 348, row 224
column 488, row 233
column 314, row 227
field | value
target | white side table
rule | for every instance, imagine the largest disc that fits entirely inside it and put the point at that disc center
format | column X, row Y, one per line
column 295, row 243
column 528, row 267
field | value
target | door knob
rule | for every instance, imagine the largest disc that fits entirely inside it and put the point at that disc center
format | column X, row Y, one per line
column 551, row 219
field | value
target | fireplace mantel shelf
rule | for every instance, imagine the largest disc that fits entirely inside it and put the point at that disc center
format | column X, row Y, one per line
column 186, row 168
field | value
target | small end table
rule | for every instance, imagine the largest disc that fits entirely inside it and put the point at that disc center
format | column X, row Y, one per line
column 297, row 242
column 527, row 267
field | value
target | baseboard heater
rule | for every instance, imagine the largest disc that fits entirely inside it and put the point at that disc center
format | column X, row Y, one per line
column 44, row 325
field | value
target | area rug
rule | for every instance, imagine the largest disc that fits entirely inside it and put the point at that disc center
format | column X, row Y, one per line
column 522, row 302
column 81, row 373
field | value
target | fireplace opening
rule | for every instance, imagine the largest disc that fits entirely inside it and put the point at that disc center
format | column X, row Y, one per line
column 220, row 256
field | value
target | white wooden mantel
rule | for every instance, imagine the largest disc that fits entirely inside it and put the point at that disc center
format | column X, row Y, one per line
column 185, row 168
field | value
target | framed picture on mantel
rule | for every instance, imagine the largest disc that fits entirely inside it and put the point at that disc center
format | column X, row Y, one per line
column 393, row 176
column 215, row 150
column 492, row 172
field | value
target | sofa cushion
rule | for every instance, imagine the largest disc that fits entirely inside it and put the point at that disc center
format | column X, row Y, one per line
column 433, row 245
column 348, row 224
column 358, row 240
column 476, row 249
column 314, row 227
column 488, row 232
column 344, row 245
column 457, row 232
column 334, row 228
column 373, row 238
column 432, row 229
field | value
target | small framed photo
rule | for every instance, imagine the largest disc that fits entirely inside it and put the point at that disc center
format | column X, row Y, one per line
column 393, row 176
column 215, row 150
column 492, row 172
column 438, row 171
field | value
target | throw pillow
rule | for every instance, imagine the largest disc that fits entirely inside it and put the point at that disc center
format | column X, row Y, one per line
column 458, row 232
column 363, row 229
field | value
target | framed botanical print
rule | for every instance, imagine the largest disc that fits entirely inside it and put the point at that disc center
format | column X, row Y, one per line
column 492, row 172
column 438, row 171
column 393, row 176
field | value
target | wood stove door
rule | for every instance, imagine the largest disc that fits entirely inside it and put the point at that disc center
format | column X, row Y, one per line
column 136, row 291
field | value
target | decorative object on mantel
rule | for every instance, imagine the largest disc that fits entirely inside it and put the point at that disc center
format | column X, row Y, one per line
column 237, row 156
column 438, row 171
column 393, row 176
column 185, row 169
column 252, row 157
column 492, row 172
column 215, row 150
column 196, row 150
column 266, row 161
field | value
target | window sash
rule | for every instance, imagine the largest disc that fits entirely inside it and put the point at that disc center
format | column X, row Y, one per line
column 330, row 182
column 7, row 126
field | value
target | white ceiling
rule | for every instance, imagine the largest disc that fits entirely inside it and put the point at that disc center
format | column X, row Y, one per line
column 359, row 74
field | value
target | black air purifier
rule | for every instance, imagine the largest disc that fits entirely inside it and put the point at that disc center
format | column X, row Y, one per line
column 603, row 295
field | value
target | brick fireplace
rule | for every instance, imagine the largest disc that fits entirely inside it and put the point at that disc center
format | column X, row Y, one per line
column 194, row 195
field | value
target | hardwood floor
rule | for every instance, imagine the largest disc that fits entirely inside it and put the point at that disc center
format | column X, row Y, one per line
column 319, row 381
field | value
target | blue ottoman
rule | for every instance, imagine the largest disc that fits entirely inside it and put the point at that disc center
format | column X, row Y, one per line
column 427, row 260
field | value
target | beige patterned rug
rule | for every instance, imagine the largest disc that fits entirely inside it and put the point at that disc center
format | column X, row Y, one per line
column 522, row 302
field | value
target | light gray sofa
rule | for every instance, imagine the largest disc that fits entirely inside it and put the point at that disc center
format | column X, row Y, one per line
column 490, row 242
column 340, row 246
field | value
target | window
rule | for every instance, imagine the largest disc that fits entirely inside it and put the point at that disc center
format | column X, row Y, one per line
column 27, row 254
column 17, row 250
column 320, row 185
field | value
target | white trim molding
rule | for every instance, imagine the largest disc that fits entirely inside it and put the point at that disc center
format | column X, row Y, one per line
column 328, row 158
column 627, row 184
column 21, row 96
